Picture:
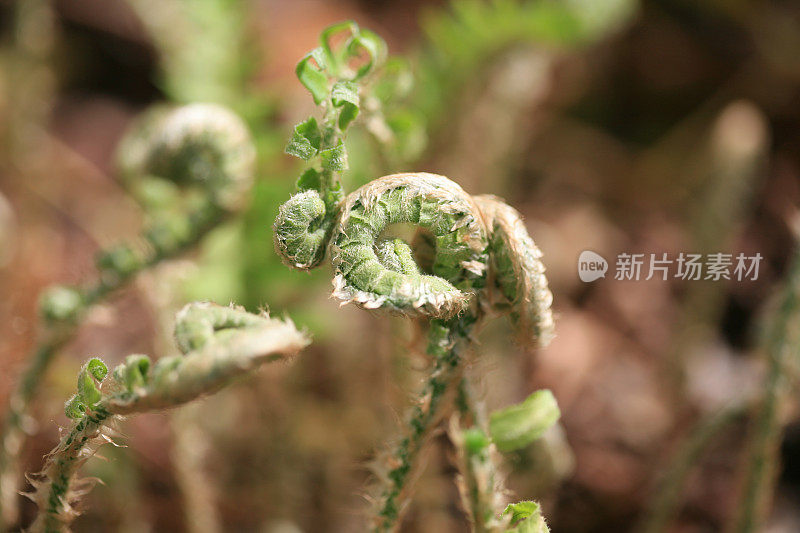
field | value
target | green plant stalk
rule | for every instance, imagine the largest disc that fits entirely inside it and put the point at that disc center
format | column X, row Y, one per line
column 377, row 273
column 239, row 344
column 55, row 339
column 447, row 341
column 670, row 488
column 71, row 453
column 767, row 431
column 461, row 239
column 481, row 490
column 203, row 148
column 190, row 446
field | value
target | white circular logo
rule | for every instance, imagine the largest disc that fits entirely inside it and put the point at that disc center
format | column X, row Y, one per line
column 591, row 266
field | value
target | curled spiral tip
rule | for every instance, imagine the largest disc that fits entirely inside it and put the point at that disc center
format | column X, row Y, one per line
column 378, row 274
column 302, row 230
column 518, row 271
column 198, row 324
column 204, row 145
column 459, row 239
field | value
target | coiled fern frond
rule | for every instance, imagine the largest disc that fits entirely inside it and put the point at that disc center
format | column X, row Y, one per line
column 219, row 344
column 471, row 254
column 373, row 276
column 471, row 240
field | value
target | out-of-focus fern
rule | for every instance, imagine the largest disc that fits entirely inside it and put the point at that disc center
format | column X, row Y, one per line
column 202, row 47
column 464, row 38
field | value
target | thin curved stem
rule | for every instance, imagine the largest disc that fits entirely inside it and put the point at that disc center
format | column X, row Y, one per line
column 781, row 350
column 13, row 434
column 172, row 382
column 669, row 489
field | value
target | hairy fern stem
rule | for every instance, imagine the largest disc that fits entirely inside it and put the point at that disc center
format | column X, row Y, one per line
column 471, row 254
column 191, row 167
column 447, row 341
column 218, row 343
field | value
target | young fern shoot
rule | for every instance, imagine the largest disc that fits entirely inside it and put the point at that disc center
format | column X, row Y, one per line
column 191, row 167
column 472, row 255
column 219, row 344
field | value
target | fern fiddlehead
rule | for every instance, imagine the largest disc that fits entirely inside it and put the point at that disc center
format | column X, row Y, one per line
column 219, row 344
column 190, row 167
column 373, row 276
column 482, row 260
column 471, row 256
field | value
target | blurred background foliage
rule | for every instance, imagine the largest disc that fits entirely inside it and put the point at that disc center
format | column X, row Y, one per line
column 613, row 125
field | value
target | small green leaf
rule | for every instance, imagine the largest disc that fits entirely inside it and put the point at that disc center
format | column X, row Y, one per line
column 334, row 158
column 526, row 517
column 410, row 137
column 344, row 92
column 97, row 368
column 310, row 179
column 521, row 510
column 74, row 407
column 395, row 82
column 134, row 373
column 345, row 95
column 373, row 45
column 517, row 426
column 347, row 115
column 305, row 141
column 313, row 76
column 335, row 59
column 475, row 441
column 92, row 372
column 60, row 304
column 120, row 260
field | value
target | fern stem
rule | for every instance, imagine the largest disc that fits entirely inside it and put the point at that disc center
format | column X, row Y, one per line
column 230, row 352
column 669, row 489
column 163, row 147
column 478, row 464
column 13, row 433
column 447, row 341
column 781, row 351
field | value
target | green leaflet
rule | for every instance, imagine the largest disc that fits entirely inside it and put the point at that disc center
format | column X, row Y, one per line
column 334, row 158
column 373, row 45
column 93, row 372
column 475, row 441
column 517, row 426
column 75, row 407
column 60, row 304
column 312, row 75
column 305, row 141
column 345, row 95
column 526, row 517
column 310, row 179
column 359, row 41
column 134, row 373
column 521, row 510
